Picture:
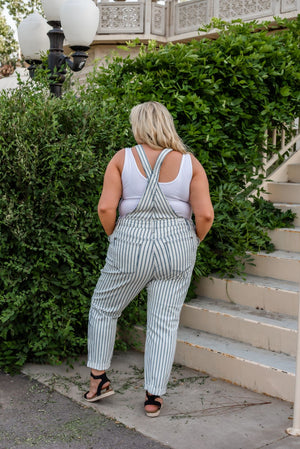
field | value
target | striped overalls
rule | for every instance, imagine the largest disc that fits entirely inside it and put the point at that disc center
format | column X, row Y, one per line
column 154, row 248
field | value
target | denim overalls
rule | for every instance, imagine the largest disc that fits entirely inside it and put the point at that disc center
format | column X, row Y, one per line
column 154, row 248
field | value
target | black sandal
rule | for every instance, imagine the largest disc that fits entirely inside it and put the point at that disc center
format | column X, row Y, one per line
column 101, row 393
column 151, row 400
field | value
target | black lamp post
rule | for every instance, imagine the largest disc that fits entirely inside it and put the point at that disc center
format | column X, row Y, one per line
column 79, row 19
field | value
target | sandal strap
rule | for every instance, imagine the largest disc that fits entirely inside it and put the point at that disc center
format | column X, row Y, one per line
column 151, row 400
column 101, row 376
column 104, row 380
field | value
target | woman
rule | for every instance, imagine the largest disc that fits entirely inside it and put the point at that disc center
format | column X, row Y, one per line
column 152, row 245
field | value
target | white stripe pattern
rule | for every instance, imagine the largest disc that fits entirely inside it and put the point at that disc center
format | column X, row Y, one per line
column 154, row 248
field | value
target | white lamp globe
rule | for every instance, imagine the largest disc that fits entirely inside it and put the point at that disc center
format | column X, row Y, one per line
column 32, row 35
column 80, row 20
column 52, row 9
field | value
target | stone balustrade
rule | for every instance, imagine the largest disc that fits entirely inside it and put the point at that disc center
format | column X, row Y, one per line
column 175, row 20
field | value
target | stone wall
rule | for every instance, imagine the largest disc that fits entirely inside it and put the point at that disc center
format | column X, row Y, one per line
column 172, row 21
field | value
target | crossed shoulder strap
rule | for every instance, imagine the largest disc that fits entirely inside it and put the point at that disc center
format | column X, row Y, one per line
column 146, row 165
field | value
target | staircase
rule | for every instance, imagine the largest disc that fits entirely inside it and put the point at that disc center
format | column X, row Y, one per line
column 244, row 330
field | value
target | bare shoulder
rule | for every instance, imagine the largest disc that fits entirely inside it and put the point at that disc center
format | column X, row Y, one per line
column 118, row 160
column 197, row 167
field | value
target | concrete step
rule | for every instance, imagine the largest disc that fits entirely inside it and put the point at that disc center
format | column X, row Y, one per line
column 283, row 265
column 271, row 331
column 257, row 369
column 239, row 363
column 286, row 239
column 283, row 192
column 294, row 207
column 271, row 295
column 294, row 172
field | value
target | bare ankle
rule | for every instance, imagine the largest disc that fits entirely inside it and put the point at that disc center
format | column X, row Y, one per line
column 97, row 372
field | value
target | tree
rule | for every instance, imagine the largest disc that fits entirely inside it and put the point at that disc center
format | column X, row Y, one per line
column 18, row 9
column 8, row 44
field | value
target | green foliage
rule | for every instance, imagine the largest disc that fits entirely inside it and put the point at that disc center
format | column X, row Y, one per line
column 8, row 44
column 19, row 9
column 223, row 94
column 51, row 245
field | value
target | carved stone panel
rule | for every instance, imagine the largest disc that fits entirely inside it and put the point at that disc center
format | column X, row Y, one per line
column 288, row 5
column 158, row 19
column 244, row 9
column 190, row 16
column 121, row 17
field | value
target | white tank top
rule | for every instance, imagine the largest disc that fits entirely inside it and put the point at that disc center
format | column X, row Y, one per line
column 177, row 191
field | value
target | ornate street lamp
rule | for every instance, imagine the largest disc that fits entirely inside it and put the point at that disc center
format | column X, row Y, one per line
column 75, row 20
column 32, row 33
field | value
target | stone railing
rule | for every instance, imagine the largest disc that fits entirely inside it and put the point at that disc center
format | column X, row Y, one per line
column 286, row 144
column 175, row 20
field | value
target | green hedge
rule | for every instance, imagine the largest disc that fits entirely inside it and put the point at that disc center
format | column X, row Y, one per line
column 222, row 93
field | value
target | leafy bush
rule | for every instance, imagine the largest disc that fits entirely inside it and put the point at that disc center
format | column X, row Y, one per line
column 222, row 93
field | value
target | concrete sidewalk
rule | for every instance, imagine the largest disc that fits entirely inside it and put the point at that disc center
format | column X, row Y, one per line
column 199, row 411
column 35, row 416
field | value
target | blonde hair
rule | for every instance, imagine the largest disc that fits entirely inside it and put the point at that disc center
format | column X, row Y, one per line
column 153, row 124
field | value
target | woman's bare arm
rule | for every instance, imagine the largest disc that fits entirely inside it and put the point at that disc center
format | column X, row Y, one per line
column 111, row 193
column 200, row 200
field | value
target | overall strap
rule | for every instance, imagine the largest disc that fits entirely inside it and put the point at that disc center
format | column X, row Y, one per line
column 144, row 160
column 159, row 161
column 146, row 165
column 153, row 202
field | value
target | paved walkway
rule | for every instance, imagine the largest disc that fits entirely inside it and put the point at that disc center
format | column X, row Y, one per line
column 35, row 416
column 199, row 411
